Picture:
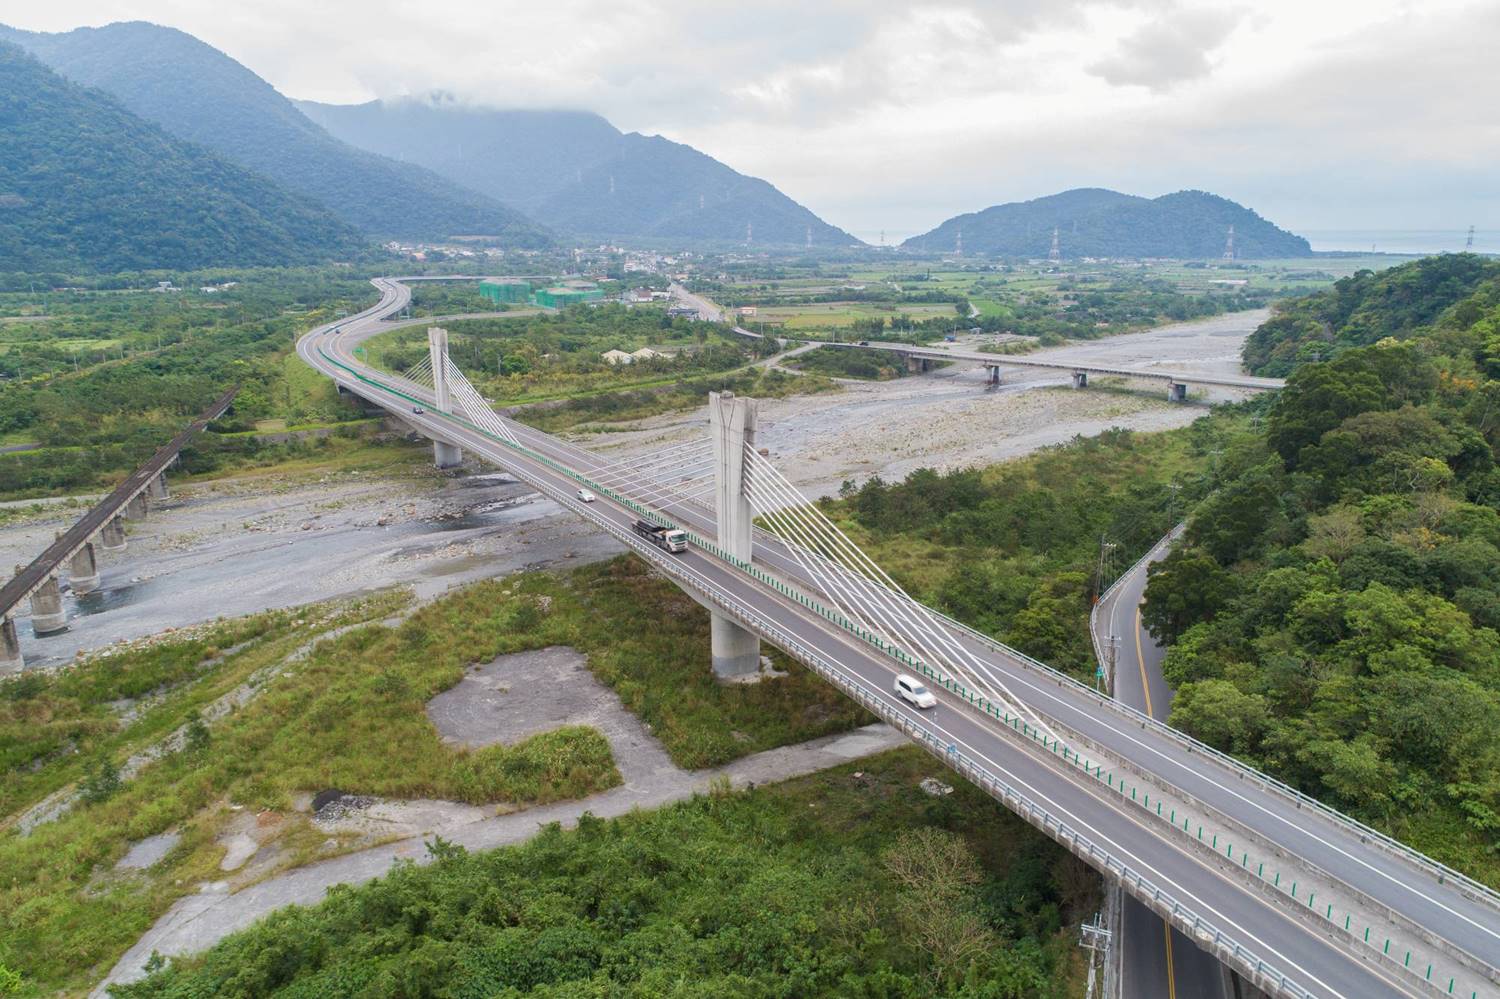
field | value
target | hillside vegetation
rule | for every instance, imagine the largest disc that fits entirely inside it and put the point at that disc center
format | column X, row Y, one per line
column 196, row 92
column 1367, row 307
column 1333, row 613
column 1092, row 222
column 86, row 185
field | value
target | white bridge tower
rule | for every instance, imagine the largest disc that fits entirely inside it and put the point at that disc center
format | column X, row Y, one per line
column 731, row 426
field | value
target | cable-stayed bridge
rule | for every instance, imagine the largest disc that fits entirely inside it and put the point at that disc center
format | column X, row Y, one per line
column 1299, row 900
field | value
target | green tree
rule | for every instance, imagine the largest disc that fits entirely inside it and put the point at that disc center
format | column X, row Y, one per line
column 1182, row 589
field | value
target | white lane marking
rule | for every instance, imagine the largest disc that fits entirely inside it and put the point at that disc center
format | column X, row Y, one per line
column 1022, row 676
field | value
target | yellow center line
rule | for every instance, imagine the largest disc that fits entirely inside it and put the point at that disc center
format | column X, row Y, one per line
column 1171, row 978
column 1140, row 660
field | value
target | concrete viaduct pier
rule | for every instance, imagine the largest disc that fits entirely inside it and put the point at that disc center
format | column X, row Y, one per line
column 731, row 425
column 444, row 455
column 102, row 529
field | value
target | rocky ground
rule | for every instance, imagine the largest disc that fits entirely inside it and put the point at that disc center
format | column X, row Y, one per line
column 951, row 418
column 242, row 545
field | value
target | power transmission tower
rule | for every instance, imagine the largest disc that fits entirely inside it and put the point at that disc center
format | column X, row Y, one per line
column 1229, row 244
column 1469, row 243
column 749, row 232
column 958, row 246
column 1054, row 254
column 611, row 184
column 809, row 237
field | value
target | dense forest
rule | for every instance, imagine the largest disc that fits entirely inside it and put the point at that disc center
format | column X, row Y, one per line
column 197, row 93
column 1092, row 222
column 86, row 185
column 1333, row 613
column 1367, row 307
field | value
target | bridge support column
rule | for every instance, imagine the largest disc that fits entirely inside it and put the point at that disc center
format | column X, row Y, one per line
column 83, row 570
column 992, row 371
column 1176, row 392
column 138, row 507
column 47, row 614
column 11, row 659
column 444, row 455
column 731, row 421
column 1080, row 379
column 915, row 365
column 158, row 488
column 112, row 535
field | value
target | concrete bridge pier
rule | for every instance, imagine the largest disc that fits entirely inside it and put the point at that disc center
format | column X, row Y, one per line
column 158, row 487
column 112, row 535
column 735, row 651
column 992, row 372
column 1176, row 392
column 444, row 455
column 47, row 613
column 83, row 570
column 11, row 659
column 1080, row 379
column 138, row 507
column 916, row 365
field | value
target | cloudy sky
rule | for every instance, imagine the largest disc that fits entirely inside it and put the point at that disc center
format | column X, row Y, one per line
column 879, row 115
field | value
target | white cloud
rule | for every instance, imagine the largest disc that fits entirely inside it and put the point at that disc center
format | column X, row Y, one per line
column 889, row 114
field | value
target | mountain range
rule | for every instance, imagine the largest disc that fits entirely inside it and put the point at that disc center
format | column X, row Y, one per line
column 1094, row 222
column 85, row 185
column 577, row 173
column 197, row 93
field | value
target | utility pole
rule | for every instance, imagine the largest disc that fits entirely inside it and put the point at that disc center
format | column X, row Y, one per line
column 1106, row 552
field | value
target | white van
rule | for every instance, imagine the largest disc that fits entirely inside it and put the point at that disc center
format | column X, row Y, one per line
column 911, row 690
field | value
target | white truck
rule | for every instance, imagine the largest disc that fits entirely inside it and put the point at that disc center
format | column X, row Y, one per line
column 668, row 539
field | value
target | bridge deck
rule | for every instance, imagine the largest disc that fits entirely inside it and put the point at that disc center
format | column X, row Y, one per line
column 45, row 565
column 1155, row 866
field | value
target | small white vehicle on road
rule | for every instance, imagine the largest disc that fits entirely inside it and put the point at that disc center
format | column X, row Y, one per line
column 911, row 690
column 585, row 496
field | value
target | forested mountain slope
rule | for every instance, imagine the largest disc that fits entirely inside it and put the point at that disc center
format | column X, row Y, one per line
column 1367, row 307
column 1093, row 222
column 1333, row 612
column 86, row 185
column 577, row 172
column 198, row 93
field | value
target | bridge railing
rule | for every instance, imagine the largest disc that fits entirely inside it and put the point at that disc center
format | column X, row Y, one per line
column 1441, row 872
column 978, row 701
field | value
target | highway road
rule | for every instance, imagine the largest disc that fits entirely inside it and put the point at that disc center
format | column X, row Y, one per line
column 1155, row 961
column 1105, row 822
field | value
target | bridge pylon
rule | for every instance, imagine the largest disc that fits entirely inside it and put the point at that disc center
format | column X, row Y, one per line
column 731, row 421
column 444, row 455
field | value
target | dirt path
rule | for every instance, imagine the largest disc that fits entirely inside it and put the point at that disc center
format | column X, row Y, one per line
column 197, row 922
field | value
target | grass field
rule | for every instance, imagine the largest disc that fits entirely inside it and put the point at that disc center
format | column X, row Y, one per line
column 832, row 315
column 347, row 714
column 850, row 882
